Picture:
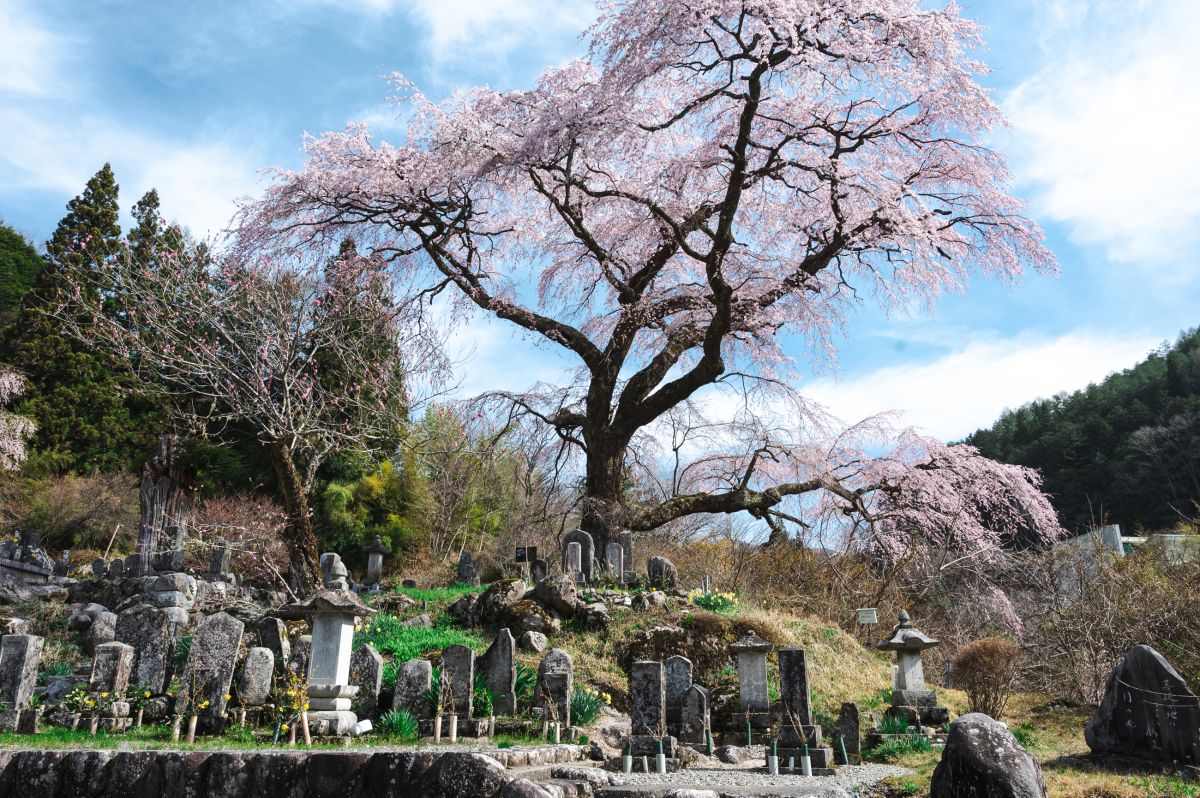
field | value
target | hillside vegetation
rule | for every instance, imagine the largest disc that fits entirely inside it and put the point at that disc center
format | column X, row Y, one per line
column 1125, row 450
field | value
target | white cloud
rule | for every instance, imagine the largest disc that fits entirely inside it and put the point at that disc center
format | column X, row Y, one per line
column 28, row 53
column 967, row 389
column 459, row 28
column 1103, row 131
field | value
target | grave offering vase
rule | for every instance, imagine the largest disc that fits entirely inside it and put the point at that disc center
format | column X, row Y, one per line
column 660, row 761
column 805, row 761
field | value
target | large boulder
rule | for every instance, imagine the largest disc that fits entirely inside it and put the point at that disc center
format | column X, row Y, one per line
column 465, row 610
column 1147, row 712
column 532, row 641
column 81, row 619
column 557, row 593
column 473, row 775
column 529, row 616
column 983, row 760
column 500, row 595
column 661, row 573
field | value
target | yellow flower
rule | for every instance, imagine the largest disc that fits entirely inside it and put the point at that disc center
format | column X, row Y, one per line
column 146, row 694
column 104, row 695
column 204, row 704
column 306, row 705
column 227, row 696
column 283, row 727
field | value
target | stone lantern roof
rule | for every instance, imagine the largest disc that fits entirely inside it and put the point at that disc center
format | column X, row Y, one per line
column 327, row 601
column 751, row 642
column 906, row 637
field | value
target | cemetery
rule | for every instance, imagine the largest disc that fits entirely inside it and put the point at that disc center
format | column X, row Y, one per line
column 613, row 401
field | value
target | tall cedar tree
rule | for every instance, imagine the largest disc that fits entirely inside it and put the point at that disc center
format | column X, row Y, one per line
column 86, row 418
column 19, row 268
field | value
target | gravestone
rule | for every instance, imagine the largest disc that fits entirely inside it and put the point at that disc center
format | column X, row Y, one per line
column 555, row 682
column 661, row 573
column 678, row 674
column 222, row 558
column 458, row 680
column 100, row 568
column 20, row 656
column 647, row 697
column 366, row 673
column 793, row 687
column 414, row 679
column 334, row 574
column 616, row 562
column 500, row 673
column 1148, row 711
column 111, row 668
column 254, row 681
column 102, row 630
column 538, row 570
column 751, row 651
column 626, row 541
column 587, row 552
column 849, row 730
column 695, row 716
column 272, row 634
column 573, row 561
column 375, row 554
column 149, row 631
column 116, row 569
column 208, row 673
column 467, row 575
column 301, row 654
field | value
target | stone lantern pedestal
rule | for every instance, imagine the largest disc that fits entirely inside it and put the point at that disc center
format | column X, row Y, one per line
column 333, row 613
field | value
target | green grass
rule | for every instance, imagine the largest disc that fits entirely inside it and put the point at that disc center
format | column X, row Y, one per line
column 893, row 724
column 400, row 724
column 391, row 638
column 439, row 594
column 894, row 749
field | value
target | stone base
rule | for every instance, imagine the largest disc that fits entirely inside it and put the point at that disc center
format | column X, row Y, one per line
column 115, row 725
column 329, row 704
column 789, row 739
column 331, row 724
column 821, row 758
column 9, row 718
column 647, row 745
column 29, row 721
column 914, row 698
column 210, row 724
column 924, row 715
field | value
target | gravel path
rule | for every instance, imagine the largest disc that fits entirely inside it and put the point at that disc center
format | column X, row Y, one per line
column 751, row 778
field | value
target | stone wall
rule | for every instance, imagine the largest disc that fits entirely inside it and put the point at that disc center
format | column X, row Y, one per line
column 276, row 773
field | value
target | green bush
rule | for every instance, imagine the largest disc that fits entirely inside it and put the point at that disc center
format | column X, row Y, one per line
column 713, row 601
column 399, row 723
column 893, row 724
column 526, row 684
column 482, row 701
column 1026, row 734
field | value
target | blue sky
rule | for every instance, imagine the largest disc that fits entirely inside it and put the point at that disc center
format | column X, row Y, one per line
column 195, row 98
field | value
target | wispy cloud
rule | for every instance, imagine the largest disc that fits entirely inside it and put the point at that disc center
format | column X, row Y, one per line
column 29, row 53
column 1102, row 131
column 955, row 394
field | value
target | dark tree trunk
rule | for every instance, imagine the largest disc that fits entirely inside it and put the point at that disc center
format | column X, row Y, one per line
column 603, row 508
column 304, row 569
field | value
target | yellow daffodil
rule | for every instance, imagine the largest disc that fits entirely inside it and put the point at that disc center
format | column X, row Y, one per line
column 283, row 727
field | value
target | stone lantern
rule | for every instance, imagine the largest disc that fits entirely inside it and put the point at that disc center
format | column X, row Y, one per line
column 909, row 690
column 332, row 613
column 375, row 554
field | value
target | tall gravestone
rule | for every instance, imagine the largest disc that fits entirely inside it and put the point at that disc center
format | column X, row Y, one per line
column 648, row 699
column 20, row 656
column 466, row 575
column 751, row 651
column 209, row 671
column 366, row 673
column 615, row 555
column 587, row 552
column 555, row 682
column 678, row 672
column 793, row 683
column 573, row 561
column 500, row 672
column 111, row 668
column 458, row 679
column 254, row 680
column 695, row 716
column 849, row 731
column 414, row 680
column 626, row 541
column 149, row 631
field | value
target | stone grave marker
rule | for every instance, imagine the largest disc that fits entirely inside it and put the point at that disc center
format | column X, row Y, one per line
column 414, row 679
column 375, row 554
column 499, row 670
column 366, row 673
column 573, row 561
column 587, row 552
column 222, row 557
column 208, row 674
column 334, row 574
column 751, row 651
column 301, row 654
column 20, row 656
column 647, row 697
column 626, row 541
column 616, row 562
column 458, row 680
column 467, row 575
column 849, row 731
column 539, row 569
column 149, row 631
column 272, row 634
column 661, row 573
column 695, row 716
column 254, row 681
column 678, row 671
column 556, row 676
column 111, row 669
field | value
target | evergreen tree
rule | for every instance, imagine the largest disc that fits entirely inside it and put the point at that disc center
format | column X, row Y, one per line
column 86, row 420
column 20, row 265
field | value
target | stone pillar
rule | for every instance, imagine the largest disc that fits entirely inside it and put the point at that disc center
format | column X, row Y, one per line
column 556, row 678
column 678, row 672
column 751, row 651
column 458, row 680
column 910, row 674
column 626, row 541
column 375, row 554
column 647, row 696
column 20, row 656
column 793, row 685
column 222, row 558
column 573, row 561
column 111, row 668
column 616, row 562
column 499, row 669
column 150, row 632
column 413, row 682
column 587, row 552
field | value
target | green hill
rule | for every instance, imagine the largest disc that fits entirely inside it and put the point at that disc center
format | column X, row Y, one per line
column 1126, row 450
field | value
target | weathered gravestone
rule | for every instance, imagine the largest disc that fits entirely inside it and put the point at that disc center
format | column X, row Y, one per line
column 982, row 758
column 375, row 554
column 149, row 631
column 849, row 731
column 1147, row 712
column 458, row 680
column 678, row 673
column 102, row 630
column 111, row 669
column 647, row 698
column 695, row 716
column 222, row 558
column 467, row 575
column 573, row 561
column 20, row 656
column 615, row 555
column 301, row 654
column 626, row 541
column 500, row 673
column 334, row 574
column 538, row 570
column 795, row 696
column 272, row 634
column 587, row 552
column 254, row 681
column 661, row 573
column 100, row 568
column 414, row 679
column 751, row 651
column 555, row 682
column 366, row 673
column 208, row 674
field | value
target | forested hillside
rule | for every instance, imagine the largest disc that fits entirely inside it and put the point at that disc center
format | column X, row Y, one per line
column 1126, row 450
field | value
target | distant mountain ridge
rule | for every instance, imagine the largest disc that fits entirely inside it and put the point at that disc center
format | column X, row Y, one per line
column 1125, row 450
